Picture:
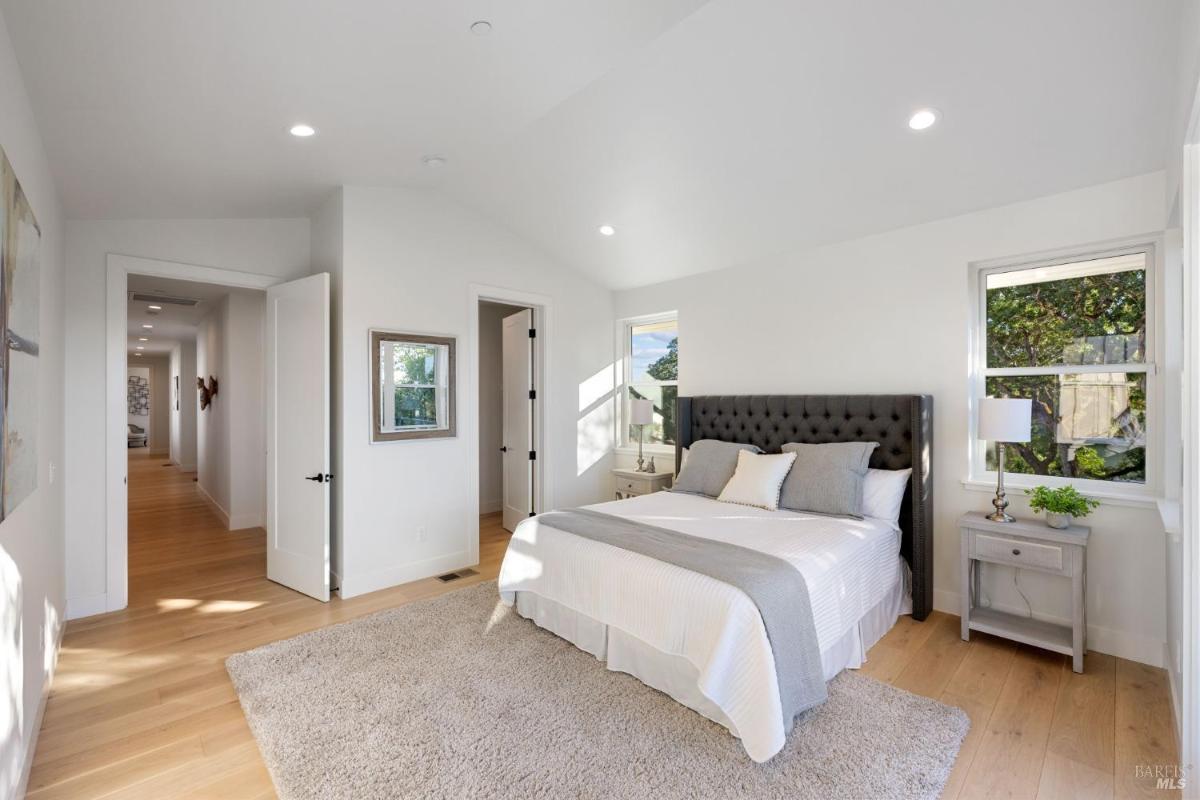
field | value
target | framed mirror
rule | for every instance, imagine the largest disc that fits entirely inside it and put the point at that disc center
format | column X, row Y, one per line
column 412, row 386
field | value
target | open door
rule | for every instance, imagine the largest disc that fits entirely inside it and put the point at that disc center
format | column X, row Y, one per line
column 518, row 447
column 298, row 435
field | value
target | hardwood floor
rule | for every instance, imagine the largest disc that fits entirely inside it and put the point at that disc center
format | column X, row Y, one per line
column 141, row 706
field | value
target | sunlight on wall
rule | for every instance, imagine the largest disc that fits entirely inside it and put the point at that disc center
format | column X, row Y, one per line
column 50, row 626
column 593, row 437
column 597, row 387
column 12, row 671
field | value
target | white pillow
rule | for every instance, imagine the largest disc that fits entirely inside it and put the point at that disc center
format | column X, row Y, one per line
column 757, row 480
column 883, row 492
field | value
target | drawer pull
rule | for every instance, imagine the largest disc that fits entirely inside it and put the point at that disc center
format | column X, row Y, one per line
column 1016, row 552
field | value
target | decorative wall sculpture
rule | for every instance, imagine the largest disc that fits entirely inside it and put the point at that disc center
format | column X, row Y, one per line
column 138, row 389
column 207, row 393
column 20, row 279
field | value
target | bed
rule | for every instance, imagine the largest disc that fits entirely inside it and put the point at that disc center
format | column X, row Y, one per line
column 703, row 641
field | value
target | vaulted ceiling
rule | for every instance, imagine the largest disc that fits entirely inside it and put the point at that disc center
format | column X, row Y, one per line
column 707, row 133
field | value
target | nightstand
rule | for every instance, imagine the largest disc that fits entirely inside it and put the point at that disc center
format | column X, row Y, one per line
column 1033, row 545
column 631, row 483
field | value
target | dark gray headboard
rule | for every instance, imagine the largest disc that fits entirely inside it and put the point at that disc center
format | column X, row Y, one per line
column 901, row 423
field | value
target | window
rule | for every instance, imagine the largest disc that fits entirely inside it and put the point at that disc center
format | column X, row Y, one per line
column 414, row 381
column 1074, row 338
column 651, row 358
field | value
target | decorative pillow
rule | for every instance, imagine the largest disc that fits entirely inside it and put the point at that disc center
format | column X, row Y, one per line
column 709, row 466
column 883, row 492
column 757, row 480
column 827, row 478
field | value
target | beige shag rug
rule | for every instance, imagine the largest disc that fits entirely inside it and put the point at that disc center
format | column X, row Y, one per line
column 460, row 697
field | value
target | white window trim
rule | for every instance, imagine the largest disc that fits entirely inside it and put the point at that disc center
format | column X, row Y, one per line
column 1114, row 493
column 625, row 358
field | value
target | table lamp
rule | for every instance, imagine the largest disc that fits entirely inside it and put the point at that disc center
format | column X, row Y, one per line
column 1003, row 419
column 641, row 413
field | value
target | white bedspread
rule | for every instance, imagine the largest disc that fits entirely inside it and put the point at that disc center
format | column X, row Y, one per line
column 849, row 566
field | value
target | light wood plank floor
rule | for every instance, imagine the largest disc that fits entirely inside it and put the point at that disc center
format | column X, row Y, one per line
column 141, row 706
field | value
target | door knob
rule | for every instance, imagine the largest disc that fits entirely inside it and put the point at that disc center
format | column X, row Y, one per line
column 503, row 449
column 320, row 477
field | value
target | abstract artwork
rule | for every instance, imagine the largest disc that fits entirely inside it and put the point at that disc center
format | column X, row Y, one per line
column 139, row 396
column 20, row 280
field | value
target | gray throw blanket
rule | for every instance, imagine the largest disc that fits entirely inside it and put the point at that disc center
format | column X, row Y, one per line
column 774, row 585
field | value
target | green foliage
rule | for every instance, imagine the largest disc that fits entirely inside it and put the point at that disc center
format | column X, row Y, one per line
column 1071, row 321
column 666, row 368
column 1064, row 500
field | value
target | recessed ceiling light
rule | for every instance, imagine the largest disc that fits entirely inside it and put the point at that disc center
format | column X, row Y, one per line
column 139, row 347
column 303, row 130
column 148, row 326
column 607, row 230
column 154, row 308
column 139, row 355
column 481, row 27
column 143, row 339
column 925, row 118
column 433, row 161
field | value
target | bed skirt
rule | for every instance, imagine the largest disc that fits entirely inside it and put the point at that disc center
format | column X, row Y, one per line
column 674, row 675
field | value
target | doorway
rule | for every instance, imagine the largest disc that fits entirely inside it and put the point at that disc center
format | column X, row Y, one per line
column 510, row 334
column 256, row 439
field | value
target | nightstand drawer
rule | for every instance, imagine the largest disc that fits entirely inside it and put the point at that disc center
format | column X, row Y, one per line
column 626, row 485
column 1018, row 553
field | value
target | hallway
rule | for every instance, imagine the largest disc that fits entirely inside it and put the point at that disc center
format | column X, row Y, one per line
column 141, row 705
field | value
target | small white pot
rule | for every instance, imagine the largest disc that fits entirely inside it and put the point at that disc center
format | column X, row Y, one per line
column 1058, row 520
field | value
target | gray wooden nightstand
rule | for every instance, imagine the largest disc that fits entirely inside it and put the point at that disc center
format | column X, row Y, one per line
column 1028, row 544
column 631, row 483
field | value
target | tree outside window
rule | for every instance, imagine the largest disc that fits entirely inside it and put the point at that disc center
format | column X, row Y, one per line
column 1072, row 338
column 652, row 359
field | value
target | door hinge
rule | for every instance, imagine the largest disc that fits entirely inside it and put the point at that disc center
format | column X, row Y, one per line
column 533, row 333
column 533, row 455
column 533, row 394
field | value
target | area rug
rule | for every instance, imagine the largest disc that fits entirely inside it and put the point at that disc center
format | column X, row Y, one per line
column 460, row 697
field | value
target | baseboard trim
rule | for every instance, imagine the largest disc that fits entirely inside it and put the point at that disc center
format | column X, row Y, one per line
column 354, row 585
column 1122, row 644
column 88, row 606
column 208, row 498
column 491, row 508
column 245, row 521
column 31, row 746
column 1176, row 695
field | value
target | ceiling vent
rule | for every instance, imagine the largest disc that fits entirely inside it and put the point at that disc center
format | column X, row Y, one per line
column 162, row 299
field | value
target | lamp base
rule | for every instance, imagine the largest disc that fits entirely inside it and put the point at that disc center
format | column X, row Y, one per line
column 1000, row 516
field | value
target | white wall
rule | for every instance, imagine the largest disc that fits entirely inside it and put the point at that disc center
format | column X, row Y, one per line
column 230, row 433
column 267, row 246
column 407, row 509
column 183, row 419
column 491, row 403
column 32, row 598
column 889, row 314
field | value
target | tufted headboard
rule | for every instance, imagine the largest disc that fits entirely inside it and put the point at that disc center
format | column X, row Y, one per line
column 901, row 423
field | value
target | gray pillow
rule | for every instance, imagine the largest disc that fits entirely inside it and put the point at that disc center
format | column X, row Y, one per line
column 827, row 478
column 709, row 466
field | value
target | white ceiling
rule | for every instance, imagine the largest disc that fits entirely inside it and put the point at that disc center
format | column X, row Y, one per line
column 174, row 323
column 709, row 134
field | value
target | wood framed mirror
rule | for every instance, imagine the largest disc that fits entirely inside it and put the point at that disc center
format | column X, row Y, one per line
column 413, row 389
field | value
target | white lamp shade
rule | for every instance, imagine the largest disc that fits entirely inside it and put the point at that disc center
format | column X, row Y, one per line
column 641, row 412
column 1003, row 419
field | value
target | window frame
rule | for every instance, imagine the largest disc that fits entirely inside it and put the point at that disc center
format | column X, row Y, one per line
column 978, row 473
column 625, row 348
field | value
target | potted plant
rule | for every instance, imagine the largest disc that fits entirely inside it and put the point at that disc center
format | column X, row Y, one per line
column 1061, row 505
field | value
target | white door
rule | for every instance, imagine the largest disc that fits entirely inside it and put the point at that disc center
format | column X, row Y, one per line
column 298, row 435
column 517, row 413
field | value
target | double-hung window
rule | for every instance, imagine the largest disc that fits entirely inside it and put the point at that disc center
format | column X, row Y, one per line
column 651, row 372
column 1074, row 336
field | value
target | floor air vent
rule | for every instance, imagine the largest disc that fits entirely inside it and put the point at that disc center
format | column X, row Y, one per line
column 453, row 576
